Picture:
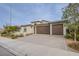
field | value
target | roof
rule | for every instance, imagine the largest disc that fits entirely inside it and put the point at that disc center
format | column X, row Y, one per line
column 40, row 21
column 26, row 25
column 54, row 22
column 57, row 22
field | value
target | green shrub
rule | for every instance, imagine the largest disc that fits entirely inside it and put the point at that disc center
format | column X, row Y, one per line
column 77, row 37
column 68, row 36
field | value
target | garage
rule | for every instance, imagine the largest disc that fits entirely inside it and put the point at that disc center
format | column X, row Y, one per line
column 43, row 29
column 57, row 29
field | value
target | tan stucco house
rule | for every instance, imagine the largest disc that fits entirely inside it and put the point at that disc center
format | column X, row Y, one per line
column 44, row 27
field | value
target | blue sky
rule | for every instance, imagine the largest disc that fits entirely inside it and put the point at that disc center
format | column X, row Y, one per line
column 26, row 13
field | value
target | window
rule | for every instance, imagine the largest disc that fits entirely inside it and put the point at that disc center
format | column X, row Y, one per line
column 25, row 29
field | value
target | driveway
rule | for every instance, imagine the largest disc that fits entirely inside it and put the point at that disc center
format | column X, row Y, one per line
column 37, row 45
column 54, row 41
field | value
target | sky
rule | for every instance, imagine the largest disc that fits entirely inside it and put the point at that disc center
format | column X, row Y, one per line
column 22, row 14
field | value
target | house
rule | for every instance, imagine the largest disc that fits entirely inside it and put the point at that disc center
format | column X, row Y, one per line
column 44, row 27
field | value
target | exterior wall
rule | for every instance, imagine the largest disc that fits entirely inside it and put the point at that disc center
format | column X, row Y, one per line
column 29, row 30
column 22, row 30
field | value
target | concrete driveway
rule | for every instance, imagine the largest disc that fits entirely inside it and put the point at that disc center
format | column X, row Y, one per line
column 54, row 41
column 37, row 45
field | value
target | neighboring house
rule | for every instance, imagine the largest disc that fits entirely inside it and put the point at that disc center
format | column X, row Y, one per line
column 44, row 27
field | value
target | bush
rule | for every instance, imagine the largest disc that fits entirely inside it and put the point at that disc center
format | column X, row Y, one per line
column 4, row 33
column 13, row 36
column 77, row 37
column 68, row 36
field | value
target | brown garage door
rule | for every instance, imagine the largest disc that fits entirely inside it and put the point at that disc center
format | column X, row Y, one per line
column 57, row 29
column 43, row 29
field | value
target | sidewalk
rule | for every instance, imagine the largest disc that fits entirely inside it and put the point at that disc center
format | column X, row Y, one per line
column 20, row 48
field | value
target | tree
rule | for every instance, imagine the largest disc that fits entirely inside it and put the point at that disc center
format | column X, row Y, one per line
column 71, row 13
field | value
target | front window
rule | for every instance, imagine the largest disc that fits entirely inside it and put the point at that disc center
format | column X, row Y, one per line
column 25, row 29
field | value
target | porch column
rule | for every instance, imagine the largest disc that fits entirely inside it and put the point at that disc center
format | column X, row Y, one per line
column 35, row 30
column 64, row 30
column 50, row 29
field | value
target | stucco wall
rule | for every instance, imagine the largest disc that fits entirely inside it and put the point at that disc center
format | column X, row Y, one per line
column 29, row 30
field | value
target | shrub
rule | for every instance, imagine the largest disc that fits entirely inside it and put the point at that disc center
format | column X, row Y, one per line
column 68, row 36
column 4, row 33
column 13, row 36
column 77, row 37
